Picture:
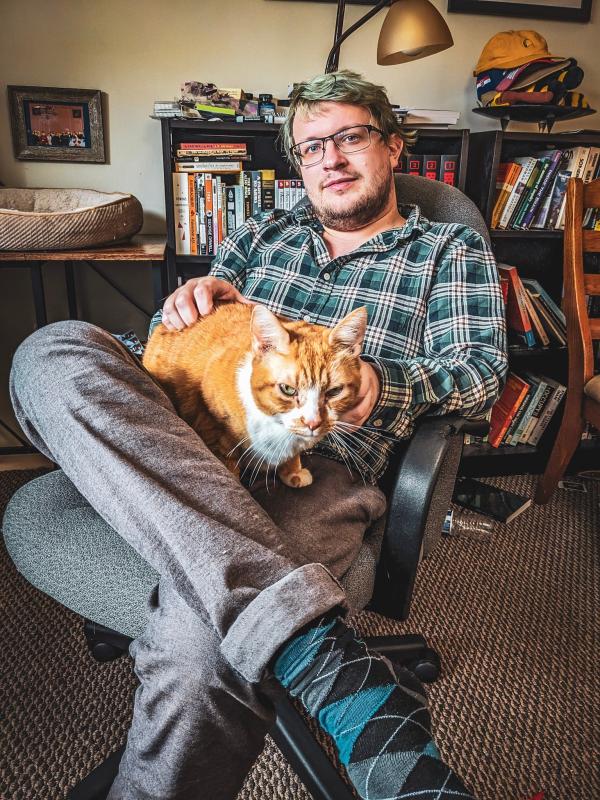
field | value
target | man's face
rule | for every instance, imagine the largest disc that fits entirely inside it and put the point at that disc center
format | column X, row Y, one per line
column 347, row 190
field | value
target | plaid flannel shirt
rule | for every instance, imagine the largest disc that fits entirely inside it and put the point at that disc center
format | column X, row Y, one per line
column 436, row 330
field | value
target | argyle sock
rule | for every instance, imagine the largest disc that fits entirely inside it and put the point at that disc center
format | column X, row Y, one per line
column 375, row 713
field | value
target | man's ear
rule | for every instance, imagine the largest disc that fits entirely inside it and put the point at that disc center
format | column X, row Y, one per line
column 396, row 146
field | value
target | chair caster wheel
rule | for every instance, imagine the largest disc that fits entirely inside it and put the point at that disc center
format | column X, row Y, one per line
column 102, row 651
column 427, row 666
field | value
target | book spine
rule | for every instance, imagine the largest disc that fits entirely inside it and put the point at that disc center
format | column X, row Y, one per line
column 193, row 218
column 515, row 195
column 576, row 169
column 506, row 407
column 449, row 169
column 211, row 146
column 209, row 166
column 547, row 413
column 181, row 210
column 414, row 164
column 201, row 213
column 239, row 205
column 542, row 190
column 526, row 194
column 208, row 197
column 230, row 217
column 536, row 393
column 247, row 183
column 547, row 391
column 431, row 167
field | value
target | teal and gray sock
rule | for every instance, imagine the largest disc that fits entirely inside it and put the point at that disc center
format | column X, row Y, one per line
column 376, row 714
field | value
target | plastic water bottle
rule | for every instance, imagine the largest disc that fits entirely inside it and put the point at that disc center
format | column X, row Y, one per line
column 467, row 526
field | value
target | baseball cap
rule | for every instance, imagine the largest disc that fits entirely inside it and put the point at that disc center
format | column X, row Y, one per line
column 509, row 49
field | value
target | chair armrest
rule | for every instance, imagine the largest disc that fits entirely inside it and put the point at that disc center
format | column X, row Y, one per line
column 420, row 490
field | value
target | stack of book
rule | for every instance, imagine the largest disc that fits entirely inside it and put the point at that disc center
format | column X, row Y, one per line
column 437, row 167
column 524, row 410
column 213, row 194
column 533, row 318
column 531, row 190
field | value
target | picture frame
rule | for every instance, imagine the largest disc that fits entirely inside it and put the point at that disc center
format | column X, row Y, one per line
column 56, row 124
column 562, row 10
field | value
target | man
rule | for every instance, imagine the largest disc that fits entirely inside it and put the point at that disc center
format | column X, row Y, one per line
column 249, row 594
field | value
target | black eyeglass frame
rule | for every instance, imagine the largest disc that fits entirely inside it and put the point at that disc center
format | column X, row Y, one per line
column 323, row 139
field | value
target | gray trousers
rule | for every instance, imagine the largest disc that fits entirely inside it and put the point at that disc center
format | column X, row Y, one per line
column 240, row 573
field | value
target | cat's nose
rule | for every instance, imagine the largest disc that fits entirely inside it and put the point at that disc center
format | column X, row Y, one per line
column 313, row 424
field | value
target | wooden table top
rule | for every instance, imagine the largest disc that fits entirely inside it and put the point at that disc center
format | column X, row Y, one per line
column 140, row 248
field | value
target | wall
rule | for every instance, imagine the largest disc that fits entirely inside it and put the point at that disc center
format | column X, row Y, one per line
column 138, row 51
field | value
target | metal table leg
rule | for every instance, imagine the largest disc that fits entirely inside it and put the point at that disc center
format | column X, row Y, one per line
column 39, row 300
column 71, row 290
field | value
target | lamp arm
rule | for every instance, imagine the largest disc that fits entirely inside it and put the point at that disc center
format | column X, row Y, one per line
column 332, row 58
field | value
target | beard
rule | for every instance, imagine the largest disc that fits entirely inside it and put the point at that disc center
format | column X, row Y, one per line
column 363, row 210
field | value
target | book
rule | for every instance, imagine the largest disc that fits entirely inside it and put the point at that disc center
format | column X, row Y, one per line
column 209, row 166
column 511, row 435
column 526, row 194
column 517, row 317
column 538, row 387
column 552, row 307
column 505, row 408
column 550, row 324
column 539, row 405
column 576, row 169
column 212, row 146
column 554, row 158
column 541, row 216
column 548, row 411
column 414, row 164
column 449, row 169
column 558, row 192
column 267, row 199
column 527, row 164
column 535, row 320
column 491, row 501
column 506, row 178
column 193, row 217
column 202, row 158
column 181, row 209
column 431, row 167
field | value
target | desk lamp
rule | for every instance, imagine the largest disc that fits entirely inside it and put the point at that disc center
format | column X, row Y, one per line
column 412, row 29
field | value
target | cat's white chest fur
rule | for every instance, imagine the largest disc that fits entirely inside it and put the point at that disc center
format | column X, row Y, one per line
column 270, row 440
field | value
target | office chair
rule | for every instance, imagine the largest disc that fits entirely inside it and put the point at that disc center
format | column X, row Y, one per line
column 59, row 543
column 583, row 390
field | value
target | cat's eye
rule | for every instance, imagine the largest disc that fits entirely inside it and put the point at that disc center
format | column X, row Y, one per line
column 287, row 390
column 334, row 392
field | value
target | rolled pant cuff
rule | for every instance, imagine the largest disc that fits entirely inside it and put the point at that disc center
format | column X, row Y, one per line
column 273, row 617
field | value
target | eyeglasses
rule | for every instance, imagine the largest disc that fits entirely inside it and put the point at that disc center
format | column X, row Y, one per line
column 350, row 140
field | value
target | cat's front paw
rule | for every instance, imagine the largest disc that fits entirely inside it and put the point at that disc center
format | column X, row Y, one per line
column 297, row 479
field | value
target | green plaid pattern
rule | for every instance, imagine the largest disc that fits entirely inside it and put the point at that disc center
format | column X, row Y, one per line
column 436, row 329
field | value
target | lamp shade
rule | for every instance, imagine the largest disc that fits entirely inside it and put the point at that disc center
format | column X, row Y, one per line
column 412, row 29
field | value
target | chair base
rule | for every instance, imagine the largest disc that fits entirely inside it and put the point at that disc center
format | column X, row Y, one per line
column 290, row 732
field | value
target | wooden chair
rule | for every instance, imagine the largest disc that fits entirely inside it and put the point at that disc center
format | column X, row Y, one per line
column 583, row 390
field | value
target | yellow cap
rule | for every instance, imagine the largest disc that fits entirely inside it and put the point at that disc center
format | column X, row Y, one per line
column 512, row 49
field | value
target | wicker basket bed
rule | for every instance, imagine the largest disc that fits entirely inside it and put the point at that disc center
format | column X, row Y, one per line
column 66, row 219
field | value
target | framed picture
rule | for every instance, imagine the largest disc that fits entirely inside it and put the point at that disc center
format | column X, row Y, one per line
column 568, row 10
column 50, row 124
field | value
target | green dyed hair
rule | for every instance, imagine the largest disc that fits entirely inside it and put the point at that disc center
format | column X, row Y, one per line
column 343, row 87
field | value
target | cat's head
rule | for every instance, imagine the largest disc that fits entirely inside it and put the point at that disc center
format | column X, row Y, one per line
column 304, row 375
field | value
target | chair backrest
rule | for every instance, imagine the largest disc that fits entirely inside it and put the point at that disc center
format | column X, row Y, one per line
column 440, row 202
column 581, row 330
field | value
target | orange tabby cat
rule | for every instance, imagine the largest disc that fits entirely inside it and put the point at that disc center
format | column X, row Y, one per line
column 246, row 380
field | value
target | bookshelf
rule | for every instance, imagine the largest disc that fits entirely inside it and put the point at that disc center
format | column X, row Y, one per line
column 538, row 254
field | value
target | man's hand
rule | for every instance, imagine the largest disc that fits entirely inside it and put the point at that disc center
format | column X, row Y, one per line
column 196, row 298
column 368, row 395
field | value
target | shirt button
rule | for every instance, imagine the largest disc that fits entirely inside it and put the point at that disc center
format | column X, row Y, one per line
column 306, row 318
column 378, row 423
column 326, row 276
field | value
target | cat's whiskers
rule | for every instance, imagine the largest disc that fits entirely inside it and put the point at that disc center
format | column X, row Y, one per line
column 343, row 450
column 347, row 446
column 245, row 439
column 365, row 429
column 365, row 443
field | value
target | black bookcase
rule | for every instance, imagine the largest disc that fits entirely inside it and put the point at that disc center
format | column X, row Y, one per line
column 536, row 254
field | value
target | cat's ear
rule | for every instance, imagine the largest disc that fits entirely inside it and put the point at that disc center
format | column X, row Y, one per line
column 350, row 332
column 267, row 332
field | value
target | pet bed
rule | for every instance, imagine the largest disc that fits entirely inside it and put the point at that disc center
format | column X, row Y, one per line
column 66, row 219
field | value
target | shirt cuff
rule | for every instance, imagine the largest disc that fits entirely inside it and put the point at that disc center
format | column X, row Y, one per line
column 392, row 410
